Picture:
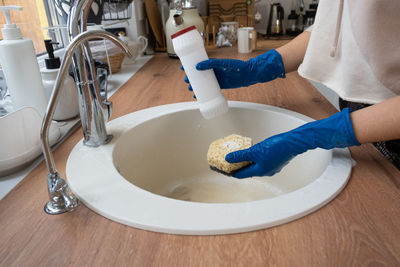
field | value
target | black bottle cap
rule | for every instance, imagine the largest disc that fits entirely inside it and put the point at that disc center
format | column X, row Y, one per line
column 52, row 62
column 293, row 14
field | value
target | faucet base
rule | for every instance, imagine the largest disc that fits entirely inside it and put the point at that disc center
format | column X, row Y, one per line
column 92, row 143
column 55, row 209
column 61, row 200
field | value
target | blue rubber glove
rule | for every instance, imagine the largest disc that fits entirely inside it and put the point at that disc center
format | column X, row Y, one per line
column 271, row 155
column 233, row 73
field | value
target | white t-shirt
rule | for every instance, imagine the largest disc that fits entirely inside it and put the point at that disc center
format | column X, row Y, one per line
column 347, row 72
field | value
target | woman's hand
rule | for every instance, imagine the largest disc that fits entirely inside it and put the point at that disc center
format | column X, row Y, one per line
column 233, row 73
column 271, row 155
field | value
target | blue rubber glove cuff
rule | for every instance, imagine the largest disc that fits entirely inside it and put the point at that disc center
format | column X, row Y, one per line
column 233, row 73
column 271, row 155
column 334, row 131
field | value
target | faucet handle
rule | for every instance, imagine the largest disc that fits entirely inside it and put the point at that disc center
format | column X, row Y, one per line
column 108, row 110
column 102, row 74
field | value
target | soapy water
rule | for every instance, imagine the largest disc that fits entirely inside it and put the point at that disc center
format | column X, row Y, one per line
column 167, row 157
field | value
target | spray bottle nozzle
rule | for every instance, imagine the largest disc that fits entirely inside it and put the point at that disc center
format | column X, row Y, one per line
column 6, row 12
column 10, row 30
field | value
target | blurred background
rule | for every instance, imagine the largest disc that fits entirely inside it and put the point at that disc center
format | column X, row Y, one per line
column 43, row 19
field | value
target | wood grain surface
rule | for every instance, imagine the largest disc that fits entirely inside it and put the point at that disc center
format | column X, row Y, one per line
column 360, row 227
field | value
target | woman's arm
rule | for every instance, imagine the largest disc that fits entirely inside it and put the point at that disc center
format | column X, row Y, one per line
column 293, row 52
column 233, row 73
column 380, row 122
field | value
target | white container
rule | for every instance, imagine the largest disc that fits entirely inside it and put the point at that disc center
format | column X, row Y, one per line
column 245, row 36
column 67, row 106
column 20, row 66
column 189, row 46
column 20, row 139
column 232, row 30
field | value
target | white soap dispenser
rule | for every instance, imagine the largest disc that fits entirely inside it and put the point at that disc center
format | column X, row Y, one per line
column 20, row 66
column 67, row 106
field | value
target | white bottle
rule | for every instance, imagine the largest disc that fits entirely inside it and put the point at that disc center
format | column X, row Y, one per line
column 20, row 66
column 67, row 106
column 189, row 46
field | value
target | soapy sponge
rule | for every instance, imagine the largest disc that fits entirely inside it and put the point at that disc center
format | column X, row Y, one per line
column 221, row 147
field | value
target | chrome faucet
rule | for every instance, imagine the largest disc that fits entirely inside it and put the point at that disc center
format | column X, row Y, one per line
column 94, row 112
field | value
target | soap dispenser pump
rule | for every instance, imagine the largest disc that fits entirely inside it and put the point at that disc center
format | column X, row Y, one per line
column 20, row 66
column 51, row 62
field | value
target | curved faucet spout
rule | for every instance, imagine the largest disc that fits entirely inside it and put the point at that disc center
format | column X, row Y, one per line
column 77, row 17
column 78, row 40
column 59, row 204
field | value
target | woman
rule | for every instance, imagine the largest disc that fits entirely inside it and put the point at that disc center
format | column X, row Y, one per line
column 352, row 48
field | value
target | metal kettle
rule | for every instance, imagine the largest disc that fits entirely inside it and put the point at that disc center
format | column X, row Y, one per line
column 182, row 15
column 276, row 15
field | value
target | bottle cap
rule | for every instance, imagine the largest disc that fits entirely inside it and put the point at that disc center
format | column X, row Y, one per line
column 183, row 31
column 293, row 14
column 10, row 30
column 51, row 62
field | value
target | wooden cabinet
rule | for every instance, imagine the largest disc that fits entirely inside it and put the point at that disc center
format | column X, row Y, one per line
column 241, row 11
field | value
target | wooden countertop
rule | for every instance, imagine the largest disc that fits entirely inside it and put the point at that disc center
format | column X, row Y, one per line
column 359, row 227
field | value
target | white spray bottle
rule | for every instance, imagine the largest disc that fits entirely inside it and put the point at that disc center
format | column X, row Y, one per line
column 20, row 66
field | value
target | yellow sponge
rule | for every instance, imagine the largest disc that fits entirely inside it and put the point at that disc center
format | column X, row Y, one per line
column 221, row 147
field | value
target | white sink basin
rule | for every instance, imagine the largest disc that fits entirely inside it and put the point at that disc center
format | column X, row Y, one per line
column 154, row 174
